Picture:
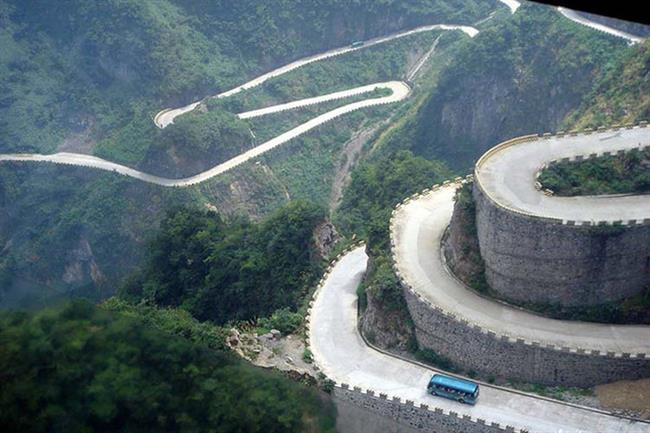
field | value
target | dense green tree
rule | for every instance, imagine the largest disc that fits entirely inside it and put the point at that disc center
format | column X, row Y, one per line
column 234, row 271
column 377, row 186
column 81, row 369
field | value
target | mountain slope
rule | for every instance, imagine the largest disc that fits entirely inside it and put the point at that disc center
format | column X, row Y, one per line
column 520, row 76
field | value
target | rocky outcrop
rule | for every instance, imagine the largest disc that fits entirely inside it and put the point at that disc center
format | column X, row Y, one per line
column 501, row 87
column 460, row 245
column 388, row 329
column 326, row 238
column 81, row 266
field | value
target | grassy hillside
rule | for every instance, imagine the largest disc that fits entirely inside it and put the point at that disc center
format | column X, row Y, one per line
column 86, row 72
column 76, row 82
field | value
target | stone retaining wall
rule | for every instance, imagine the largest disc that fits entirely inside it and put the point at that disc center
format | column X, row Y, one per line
column 413, row 417
column 475, row 348
column 533, row 260
column 529, row 259
column 395, row 414
column 487, row 352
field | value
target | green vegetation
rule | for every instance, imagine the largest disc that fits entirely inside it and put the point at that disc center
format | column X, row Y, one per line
column 617, row 174
column 83, row 369
column 66, row 226
column 467, row 241
column 237, row 271
column 284, row 320
column 76, row 82
column 430, row 357
column 272, row 125
column 307, row 356
column 105, row 70
column 384, row 62
column 562, row 393
column 375, row 188
column 174, row 321
column 518, row 76
column 621, row 94
column 634, row 310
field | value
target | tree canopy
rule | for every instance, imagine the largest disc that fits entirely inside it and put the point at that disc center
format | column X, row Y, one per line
column 231, row 271
column 82, row 369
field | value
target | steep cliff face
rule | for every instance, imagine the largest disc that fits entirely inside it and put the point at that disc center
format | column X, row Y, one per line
column 460, row 245
column 519, row 77
column 385, row 323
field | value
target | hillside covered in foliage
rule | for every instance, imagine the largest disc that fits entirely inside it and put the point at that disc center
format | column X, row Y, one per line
column 517, row 77
column 89, row 78
column 237, row 271
column 80, row 368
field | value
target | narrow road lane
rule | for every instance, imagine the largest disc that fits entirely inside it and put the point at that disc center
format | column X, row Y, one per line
column 417, row 230
column 342, row 355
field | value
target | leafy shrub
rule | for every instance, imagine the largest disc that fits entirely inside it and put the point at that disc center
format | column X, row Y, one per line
column 284, row 320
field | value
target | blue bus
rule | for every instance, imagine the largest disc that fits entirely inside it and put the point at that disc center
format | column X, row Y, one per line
column 463, row 391
column 357, row 44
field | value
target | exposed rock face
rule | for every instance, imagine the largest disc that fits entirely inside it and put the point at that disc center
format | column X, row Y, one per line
column 495, row 90
column 460, row 245
column 81, row 266
column 326, row 238
column 388, row 329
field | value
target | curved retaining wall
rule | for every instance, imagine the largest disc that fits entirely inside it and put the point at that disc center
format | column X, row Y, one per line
column 487, row 352
column 529, row 259
column 475, row 348
column 391, row 413
column 409, row 416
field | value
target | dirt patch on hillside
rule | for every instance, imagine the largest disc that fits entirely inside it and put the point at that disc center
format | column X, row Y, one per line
column 273, row 350
column 627, row 397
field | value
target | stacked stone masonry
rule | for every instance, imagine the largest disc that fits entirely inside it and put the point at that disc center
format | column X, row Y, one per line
column 417, row 418
column 530, row 259
column 476, row 348
column 548, row 261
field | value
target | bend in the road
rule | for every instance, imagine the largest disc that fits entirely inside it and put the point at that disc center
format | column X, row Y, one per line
column 342, row 355
column 417, row 229
column 167, row 116
column 506, row 175
column 582, row 20
column 399, row 90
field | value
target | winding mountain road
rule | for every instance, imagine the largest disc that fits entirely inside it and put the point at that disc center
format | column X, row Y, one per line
column 399, row 91
column 167, row 116
column 505, row 174
column 343, row 356
column 580, row 19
